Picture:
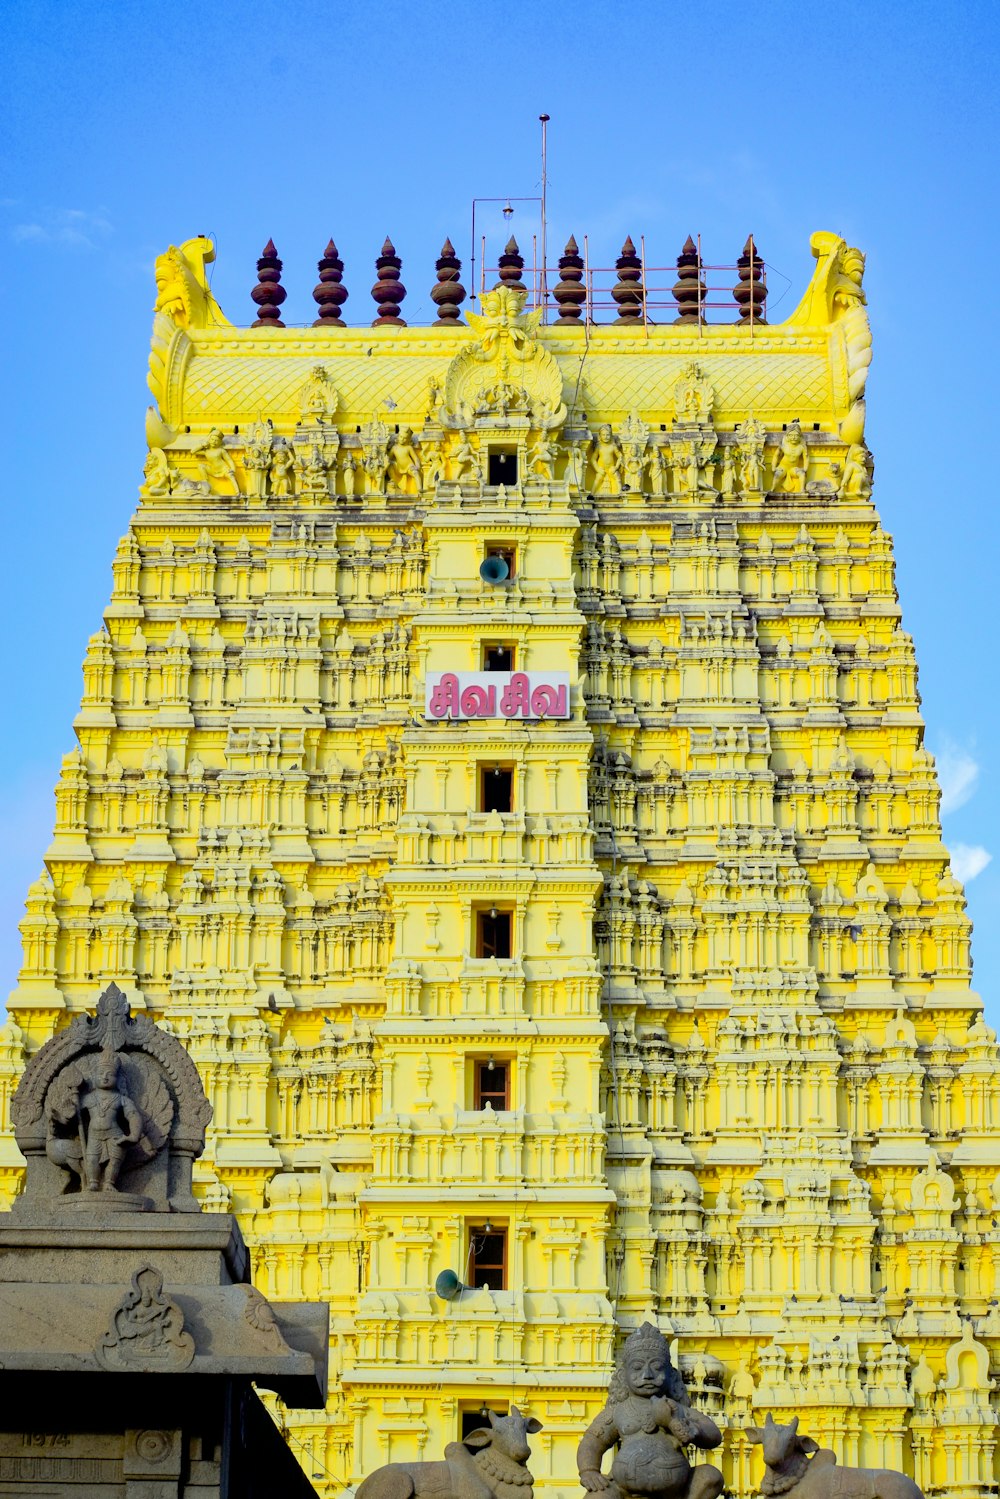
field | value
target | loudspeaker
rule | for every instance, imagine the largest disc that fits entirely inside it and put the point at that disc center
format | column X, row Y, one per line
column 494, row 569
column 448, row 1286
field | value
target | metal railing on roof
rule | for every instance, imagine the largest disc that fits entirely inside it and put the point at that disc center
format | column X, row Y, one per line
column 655, row 303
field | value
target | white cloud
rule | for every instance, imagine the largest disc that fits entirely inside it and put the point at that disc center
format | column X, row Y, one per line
column 78, row 228
column 958, row 774
column 968, row 860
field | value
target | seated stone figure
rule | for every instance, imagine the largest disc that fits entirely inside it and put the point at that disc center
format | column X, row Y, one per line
column 650, row 1418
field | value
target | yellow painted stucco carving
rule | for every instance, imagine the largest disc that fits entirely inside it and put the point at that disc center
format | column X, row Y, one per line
column 751, row 1094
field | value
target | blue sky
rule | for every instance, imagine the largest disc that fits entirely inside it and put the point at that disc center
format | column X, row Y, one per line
column 128, row 126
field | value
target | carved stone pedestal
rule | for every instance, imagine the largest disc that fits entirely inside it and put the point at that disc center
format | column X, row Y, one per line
column 130, row 1339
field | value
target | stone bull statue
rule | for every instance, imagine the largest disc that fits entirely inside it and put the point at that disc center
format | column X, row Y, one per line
column 791, row 1468
column 488, row 1464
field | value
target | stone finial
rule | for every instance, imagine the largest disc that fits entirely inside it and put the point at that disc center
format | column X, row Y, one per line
column 110, row 1114
column 510, row 265
column 628, row 291
column 330, row 294
column 269, row 292
column 449, row 293
column 750, row 292
column 689, row 288
column 569, row 293
column 388, row 290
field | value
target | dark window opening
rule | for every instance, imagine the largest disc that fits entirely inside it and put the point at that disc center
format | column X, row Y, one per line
column 488, row 1257
column 477, row 1419
column 507, row 555
column 502, row 467
column 493, row 934
column 496, row 789
column 498, row 658
column 493, row 1084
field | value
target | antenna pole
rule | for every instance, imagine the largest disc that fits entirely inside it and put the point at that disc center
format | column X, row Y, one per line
column 545, row 284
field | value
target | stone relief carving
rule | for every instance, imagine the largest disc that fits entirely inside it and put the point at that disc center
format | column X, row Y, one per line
column 374, row 454
column 506, row 375
column 102, row 1113
column 319, row 399
column 257, row 453
column 634, row 437
column 147, row 1328
column 312, row 466
column 258, row 1313
column 110, row 1112
column 750, row 443
column 694, row 397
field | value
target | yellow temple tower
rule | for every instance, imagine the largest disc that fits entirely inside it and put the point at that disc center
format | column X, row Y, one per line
column 501, row 765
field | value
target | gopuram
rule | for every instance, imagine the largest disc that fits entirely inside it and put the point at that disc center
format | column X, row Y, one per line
column 500, row 765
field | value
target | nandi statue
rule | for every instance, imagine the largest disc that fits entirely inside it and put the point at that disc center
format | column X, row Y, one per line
column 490, row 1463
column 789, row 1465
column 650, row 1419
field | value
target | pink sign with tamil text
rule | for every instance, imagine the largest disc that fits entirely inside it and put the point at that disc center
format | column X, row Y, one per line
column 497, row 694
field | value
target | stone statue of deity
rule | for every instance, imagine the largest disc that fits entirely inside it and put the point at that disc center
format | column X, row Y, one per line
column 92, row 1125
column 650, row 1420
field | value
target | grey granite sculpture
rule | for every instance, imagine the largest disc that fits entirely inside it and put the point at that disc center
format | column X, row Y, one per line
column 797, row 1465
column 110, row 1113
column 130, row 1338
column 491, row 1463
column 649, row 1417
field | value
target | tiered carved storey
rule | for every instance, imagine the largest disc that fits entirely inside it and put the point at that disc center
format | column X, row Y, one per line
column 752, row 1094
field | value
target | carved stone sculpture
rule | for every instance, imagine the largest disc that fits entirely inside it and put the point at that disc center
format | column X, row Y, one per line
column 750, row 434
column 793, row 463
column 404, row 464
column 650, row 1420
column 147, row 1329
column 462, row 459
column 93, row 1123
column 319, row 399
column 694, row 397
column 282, row 470
column 159, row 474
column 491, row 1463
column 855, row 481
column 374, row 454
column 797, row 1465
column 606, row 461
column 634, row 437
column 542, row 456
column 217, row 467
column 257, row 457
column 110, row 1113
